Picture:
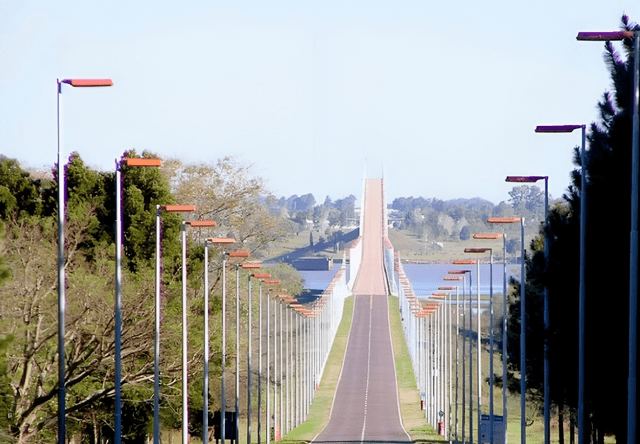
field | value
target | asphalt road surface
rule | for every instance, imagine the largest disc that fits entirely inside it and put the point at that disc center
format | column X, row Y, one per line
column 366, row 408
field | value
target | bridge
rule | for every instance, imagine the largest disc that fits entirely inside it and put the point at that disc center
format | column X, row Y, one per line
column 366, row 407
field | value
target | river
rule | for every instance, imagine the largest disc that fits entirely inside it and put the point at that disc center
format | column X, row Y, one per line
column 425, row 278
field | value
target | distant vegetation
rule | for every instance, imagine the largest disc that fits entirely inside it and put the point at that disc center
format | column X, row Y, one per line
column 429, row 220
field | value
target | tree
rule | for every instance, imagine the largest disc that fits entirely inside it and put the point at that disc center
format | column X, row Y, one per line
column 464, row 233
column 227, row 192
column 527, row 197
column 18, row 193
column 28, row 303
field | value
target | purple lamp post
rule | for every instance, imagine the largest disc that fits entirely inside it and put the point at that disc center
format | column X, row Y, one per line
column 547, row 319
column 523, row 325
column 80, row 83
column 582, row 289
column 633, row 263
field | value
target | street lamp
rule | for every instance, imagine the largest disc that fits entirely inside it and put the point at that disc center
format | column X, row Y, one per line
column 633, row 263
column 582, row 288
column 504, row 321
column 134, row 162
column 460, row 275
column 185, row 393
column 263, row 277
column 495, row 236
column 250, row 266
column 295, row 307
column 475, row 251
column 238, row 254
column 205, row 366
column 83, row 83
column 223, row 397
column 452, row 288
column 523, row 329
column 547, row 319
column 441, row 352
column 430, row 397
column 269, row 282
column 468, row 262
column 156, row 344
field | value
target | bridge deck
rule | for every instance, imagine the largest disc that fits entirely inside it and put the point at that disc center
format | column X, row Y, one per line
column 366, row 407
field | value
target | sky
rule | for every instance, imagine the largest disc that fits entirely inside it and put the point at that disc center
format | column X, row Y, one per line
column 439, row 97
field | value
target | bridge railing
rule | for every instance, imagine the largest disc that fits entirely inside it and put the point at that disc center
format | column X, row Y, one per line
column 355, row 259
column 389, row 267
column 428, row 338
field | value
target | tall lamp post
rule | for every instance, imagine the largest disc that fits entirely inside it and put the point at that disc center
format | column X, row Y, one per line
column 82, row 83
column 496, row 236
column 223, row 397
column 238, row 254
column 250, row 266
column 268, row 335
column 452, row 288
column 441, row 353
column 633, row 262
column 468, row 262
column 156, row 343
column 132, row 162
column 479, row 348
column 457, row 275
column 205, row 366
column 484, row 250
column 547, row 316
column 523, row 326
column 504, row 317
column 185, row 392
column 582, row 288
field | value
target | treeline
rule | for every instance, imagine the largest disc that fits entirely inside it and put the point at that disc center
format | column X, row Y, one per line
column 224, row 191
column 327, row 217
column 438, row 220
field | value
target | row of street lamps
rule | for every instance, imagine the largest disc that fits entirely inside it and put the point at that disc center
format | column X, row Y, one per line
column 118, row 293
column 314, row 328
column 633, row 269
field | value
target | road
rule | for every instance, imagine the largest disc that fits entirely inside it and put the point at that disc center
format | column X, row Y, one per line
column 366, row 408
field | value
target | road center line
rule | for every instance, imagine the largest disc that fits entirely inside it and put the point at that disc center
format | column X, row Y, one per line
column 366, row 391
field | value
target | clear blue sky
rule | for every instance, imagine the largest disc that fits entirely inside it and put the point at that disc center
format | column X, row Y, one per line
column 441, row 95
